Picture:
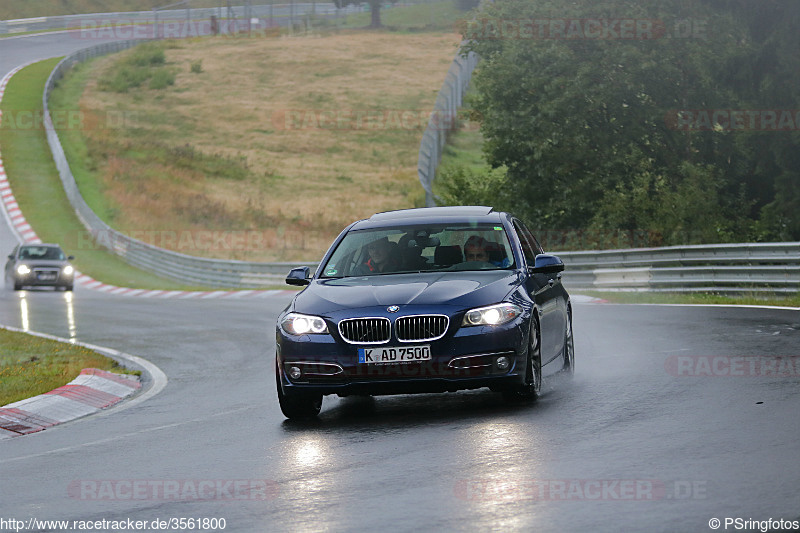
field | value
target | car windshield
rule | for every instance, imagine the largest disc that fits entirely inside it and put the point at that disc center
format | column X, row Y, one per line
column 428, row 248
column 41, row 252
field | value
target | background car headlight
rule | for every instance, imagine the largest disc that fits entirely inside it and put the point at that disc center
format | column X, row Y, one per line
column 23, row 270
column 493, row 315
column 297, row 324
column 68, row 270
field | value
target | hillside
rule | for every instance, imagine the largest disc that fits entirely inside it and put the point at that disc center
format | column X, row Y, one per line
column 283, row 140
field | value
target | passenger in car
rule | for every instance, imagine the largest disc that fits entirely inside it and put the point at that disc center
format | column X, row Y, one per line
column 383, row 257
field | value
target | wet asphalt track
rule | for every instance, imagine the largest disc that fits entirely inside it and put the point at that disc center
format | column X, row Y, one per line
column 629, row 445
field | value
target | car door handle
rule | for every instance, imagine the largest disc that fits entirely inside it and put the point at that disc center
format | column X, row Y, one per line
column 551, row 282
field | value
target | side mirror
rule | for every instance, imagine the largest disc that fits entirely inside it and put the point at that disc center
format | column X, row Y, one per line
column 299, row 276
column 70, row 258
column 547, row 264
column 11, row 256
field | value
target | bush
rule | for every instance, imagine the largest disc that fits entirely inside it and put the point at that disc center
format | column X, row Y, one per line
column 147, row 55
column 136, row 68
column 460, row 185
column 124, row 78
column 162, row 78
column 196, row 67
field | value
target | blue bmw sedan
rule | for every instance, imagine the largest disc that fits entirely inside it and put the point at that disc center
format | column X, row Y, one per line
column 425, row 300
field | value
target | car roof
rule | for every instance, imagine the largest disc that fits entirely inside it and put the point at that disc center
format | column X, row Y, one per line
column 39, row 245
column 430, row 215
column 427, row 212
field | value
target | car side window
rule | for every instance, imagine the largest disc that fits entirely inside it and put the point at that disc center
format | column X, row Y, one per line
column 530, row 247
column 534, row 242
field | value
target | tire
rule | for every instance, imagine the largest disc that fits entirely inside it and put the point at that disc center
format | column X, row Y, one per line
column 68, row 288
column 532, row 387
column 297, row 406
column 569, row 347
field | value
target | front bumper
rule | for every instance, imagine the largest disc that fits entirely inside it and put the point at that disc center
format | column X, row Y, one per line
column 467, row 359
column 37, row 279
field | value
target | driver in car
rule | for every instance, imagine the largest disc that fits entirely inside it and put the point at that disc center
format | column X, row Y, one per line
column 478, row 249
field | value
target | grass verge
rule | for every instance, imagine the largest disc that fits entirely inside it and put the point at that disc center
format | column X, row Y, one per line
column 38, row 190
column 31, row 365
column 428, row 16
column 699, row 298
column 464, row 148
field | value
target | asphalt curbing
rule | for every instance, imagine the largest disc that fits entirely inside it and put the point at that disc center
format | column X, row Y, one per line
column 92, row 392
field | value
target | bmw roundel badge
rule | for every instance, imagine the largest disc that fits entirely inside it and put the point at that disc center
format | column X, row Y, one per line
column 393, row 308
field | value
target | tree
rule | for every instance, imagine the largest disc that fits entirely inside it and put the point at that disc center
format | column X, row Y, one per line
column 374, row 8
column 588, row 127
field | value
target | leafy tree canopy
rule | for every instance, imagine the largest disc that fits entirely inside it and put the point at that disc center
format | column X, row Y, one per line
column 650, row 115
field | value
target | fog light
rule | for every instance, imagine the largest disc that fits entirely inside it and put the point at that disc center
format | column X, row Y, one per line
column 295, row 372
column 503, row 362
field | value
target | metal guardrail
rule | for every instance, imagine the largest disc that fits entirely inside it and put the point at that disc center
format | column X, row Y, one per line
column 731, row 268
column 443, row 120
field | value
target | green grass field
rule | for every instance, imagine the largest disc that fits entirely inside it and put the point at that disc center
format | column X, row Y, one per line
column 427, row 16
column 32, row 365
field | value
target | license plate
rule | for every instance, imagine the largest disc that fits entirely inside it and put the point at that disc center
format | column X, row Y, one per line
column 400, row 354
column 47, row 277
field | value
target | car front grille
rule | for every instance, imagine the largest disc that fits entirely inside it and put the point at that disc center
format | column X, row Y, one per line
column 46, row 273
column 421, row 327
column 365, row 330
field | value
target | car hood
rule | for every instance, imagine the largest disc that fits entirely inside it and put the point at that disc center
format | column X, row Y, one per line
column 52, row 263
column 461, row 289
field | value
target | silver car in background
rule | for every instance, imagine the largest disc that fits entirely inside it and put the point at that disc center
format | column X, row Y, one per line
column 39, row 265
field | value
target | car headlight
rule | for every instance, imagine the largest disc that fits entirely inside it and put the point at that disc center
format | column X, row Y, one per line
column 22, row 270
column 68, row 270
column 493, row 315
column 297, row 324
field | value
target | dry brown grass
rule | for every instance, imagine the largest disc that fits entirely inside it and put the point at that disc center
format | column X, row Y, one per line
column 300, row 178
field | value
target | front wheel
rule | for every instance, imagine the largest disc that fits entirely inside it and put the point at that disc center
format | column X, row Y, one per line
column 531, row 388
column 297, row 405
